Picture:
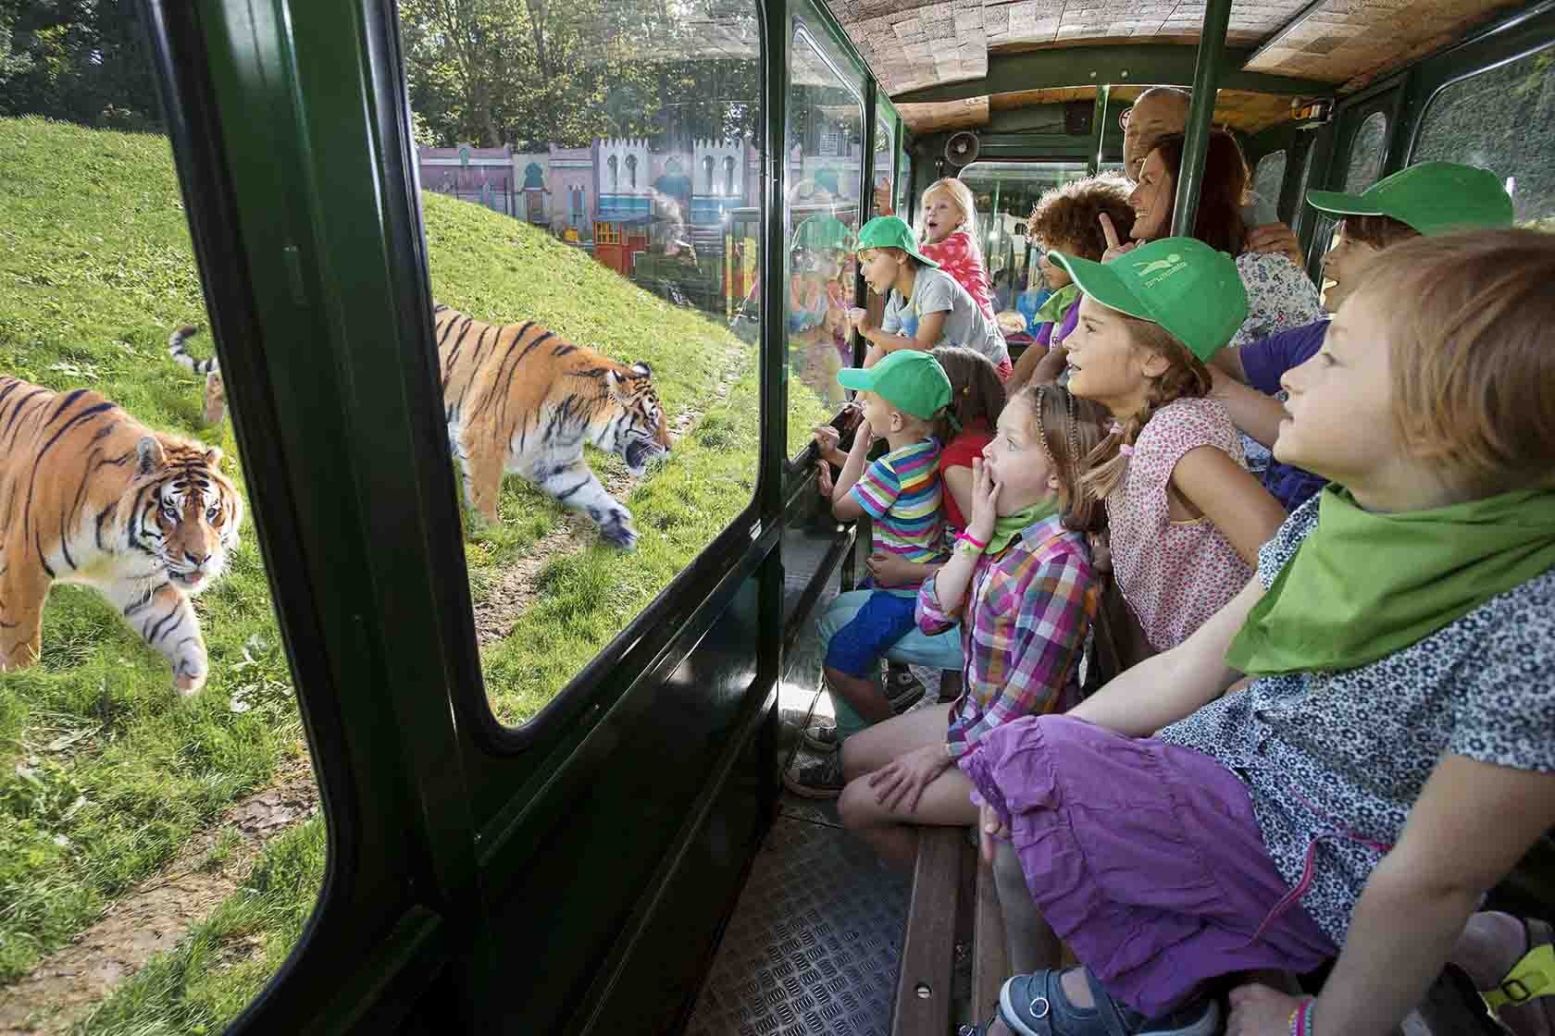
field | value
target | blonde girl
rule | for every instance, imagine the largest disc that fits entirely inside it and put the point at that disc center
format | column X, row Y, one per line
column 1186, row 518
column 949, row 227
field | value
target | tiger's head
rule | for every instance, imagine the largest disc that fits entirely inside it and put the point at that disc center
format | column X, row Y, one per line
column 636, row 429
column 187, row 512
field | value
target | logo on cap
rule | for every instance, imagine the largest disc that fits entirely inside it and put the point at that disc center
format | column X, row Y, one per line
column 1162, row 268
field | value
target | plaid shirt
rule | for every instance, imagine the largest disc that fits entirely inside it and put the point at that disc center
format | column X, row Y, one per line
column 1030, row 608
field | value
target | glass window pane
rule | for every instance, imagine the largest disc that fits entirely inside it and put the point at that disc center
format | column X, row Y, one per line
column 824, row 145
column 621, row 141
column 1006, row 193
column 1502, row 119
column 1366, row 153
column 160, row 852
column 1267, row 178
column 885, row 149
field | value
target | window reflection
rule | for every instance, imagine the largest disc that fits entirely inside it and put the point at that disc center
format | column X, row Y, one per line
column 824, row 148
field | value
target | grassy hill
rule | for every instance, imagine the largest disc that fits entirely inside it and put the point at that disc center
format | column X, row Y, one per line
column 103, row 771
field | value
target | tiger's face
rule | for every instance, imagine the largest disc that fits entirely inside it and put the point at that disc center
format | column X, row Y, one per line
column 637, row 430
column 189, row 512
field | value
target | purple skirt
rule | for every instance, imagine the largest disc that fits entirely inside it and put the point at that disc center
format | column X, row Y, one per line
column 1144, row 857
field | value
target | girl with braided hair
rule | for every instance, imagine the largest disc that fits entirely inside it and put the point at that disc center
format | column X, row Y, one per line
column 1186, row 518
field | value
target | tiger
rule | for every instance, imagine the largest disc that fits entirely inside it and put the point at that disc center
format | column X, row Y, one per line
column 518, row 398
column 215, row 391
column 90, row 495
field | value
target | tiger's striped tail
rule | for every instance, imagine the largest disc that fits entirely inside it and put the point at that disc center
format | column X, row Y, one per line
column 175, row 349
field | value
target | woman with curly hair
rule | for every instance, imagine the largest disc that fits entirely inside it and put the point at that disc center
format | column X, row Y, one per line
column 1067, row 219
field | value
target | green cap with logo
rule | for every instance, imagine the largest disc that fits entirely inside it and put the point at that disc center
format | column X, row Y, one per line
column 1180, row 283
column 823, row 233
column 1432, row 198
column 891, row 232
column 910, row 380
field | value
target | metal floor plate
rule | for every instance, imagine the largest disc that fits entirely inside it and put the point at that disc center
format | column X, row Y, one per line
column 814, row 944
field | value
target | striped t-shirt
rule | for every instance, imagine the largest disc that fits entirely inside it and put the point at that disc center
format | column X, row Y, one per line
column 901, row 492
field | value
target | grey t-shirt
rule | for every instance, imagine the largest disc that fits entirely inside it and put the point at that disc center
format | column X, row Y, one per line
column 935, row 291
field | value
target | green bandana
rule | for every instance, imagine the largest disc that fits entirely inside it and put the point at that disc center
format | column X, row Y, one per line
column 1363, row 585
column 1056, row 305
column 1007, row 527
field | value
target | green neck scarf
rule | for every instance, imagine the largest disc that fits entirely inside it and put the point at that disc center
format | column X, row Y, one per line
column 1364, row 585
column 1007, row 527
column 1056, row 305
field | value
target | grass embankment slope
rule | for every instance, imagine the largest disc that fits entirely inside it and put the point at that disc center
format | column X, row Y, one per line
column 103, row 771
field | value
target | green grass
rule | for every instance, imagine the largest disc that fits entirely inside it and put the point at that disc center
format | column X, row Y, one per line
column 104, row 772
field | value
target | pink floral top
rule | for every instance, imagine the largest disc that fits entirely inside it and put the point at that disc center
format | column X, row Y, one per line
column 958, row 257
column 1173, row 574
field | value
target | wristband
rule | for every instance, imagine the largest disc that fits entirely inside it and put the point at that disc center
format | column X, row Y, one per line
column 967, row 537
column 1301, row 1019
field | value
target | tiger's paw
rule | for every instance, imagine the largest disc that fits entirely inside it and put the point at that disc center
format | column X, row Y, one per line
column 618, row 531
column 189, row 678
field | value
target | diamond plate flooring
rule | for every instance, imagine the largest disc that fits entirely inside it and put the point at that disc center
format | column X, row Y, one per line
column 814, row 943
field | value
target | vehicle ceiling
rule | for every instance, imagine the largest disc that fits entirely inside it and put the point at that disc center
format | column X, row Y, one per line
column 948, row 63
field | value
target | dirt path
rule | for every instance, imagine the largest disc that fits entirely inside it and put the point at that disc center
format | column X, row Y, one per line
column 156, row 914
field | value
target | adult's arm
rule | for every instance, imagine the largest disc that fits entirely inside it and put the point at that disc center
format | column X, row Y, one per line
column 1253, row 412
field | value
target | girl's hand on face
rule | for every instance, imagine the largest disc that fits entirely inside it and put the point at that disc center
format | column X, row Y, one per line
column 1115, row 246
column 990, row 829
column 1257, row 1010
column 985, row 501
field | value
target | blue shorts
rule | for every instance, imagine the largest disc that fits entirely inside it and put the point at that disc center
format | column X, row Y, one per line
column 856, row 649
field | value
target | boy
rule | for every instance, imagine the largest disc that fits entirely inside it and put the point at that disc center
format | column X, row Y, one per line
column 1426, row 199
column 900, row 492
column 1067, row 220
column 925, row 307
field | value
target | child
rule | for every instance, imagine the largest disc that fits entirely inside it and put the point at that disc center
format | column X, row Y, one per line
column 925, row 307
column 1067, row 219
column 950, row 238
column 1393, row 755
column 1429, row 198
column 976, row 398
column 1021, row 584
column 902, row 396
column 1185, row 517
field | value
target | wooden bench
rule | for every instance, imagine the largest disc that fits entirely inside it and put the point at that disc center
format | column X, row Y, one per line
column 954, row 913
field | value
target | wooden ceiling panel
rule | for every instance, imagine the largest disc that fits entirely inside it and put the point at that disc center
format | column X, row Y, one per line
column 912, row 44
column 939, row 116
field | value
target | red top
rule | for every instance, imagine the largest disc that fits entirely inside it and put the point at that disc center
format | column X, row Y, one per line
column 958, row 257
column 959, row 453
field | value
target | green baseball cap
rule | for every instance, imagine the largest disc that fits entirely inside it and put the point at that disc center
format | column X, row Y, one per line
column 891, row 232
column 910, row 380
column 1432, row 198
column 1180, row 283
column 823, row 233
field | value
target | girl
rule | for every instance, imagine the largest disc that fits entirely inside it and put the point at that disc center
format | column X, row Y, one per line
column 977, row 398
column 1279, row 293
column 925, row 307
column 1020, row 582
column 1067, row 219
column 1392, row 756
column 950, row 238
column 1185, row 518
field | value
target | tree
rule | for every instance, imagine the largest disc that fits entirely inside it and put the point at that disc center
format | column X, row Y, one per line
column 81, row 61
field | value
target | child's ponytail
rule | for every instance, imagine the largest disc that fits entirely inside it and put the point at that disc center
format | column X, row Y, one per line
column 1185, row 378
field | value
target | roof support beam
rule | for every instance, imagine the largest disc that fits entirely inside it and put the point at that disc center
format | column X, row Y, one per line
column 1170, row 64
column 1195, row 144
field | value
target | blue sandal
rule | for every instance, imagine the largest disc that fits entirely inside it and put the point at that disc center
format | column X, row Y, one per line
column 1035, row 1005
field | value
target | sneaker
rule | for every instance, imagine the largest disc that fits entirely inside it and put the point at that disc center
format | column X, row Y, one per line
column 1035, row 1004
column 821, row 739
column 815, row 778
column 902, row 689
